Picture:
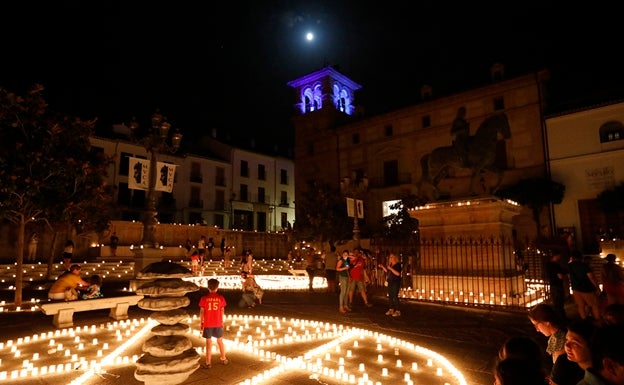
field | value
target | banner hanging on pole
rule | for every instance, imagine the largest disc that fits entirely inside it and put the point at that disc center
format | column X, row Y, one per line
column 139, row 178
column 350, row 207
column 166, row 173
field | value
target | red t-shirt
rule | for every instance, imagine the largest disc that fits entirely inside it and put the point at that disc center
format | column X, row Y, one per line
column 357, row 269
column 212, row 305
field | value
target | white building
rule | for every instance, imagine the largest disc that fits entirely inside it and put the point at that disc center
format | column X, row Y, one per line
column 586, row 154
column 235, row 189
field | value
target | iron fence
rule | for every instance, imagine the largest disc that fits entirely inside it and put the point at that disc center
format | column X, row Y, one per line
column 485, row 272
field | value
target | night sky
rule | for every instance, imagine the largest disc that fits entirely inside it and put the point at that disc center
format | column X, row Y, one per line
column 225, row 64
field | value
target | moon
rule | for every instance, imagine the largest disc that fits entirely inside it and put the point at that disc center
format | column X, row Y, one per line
column 309, row 36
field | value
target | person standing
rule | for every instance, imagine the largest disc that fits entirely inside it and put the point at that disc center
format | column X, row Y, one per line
column 201, row 247
column 209, row 247
column 194, row 261
column 211, row 312
column 342, row 269
column 585, row 289
column 222, row 246
column 356, row 278
column 331, row 260
column 613, row 280
column 393, row 277
column 555, row 275
column 68, row 253
column 188, row 245
column 32, row 247
column 114, row 242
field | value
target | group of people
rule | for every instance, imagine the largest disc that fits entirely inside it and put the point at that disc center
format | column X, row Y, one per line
column 70, row 286
column 204, row 250
column 352, row 277
column 588, row 297
column 581, row 352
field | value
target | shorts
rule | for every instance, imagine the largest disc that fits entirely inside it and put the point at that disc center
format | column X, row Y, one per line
column 194, row 262
column 356, row 284
column 213, row 332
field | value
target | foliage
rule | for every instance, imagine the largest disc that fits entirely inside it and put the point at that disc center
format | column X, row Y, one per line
column 322, row 215
column 534, row 193
column 402, row 225
column 48, row 172
column 612, row 199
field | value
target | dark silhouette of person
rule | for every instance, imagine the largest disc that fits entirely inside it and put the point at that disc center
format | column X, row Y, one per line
column 138, row 172
column 164, row 174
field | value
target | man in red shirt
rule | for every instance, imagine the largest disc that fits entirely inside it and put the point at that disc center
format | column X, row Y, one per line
column 356, row 275
column 211, row 311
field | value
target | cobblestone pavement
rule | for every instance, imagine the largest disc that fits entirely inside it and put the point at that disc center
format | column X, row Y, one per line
column 469, row 337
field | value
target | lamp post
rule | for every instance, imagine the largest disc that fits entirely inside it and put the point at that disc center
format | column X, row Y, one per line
column 355, row 188
column 155, row 141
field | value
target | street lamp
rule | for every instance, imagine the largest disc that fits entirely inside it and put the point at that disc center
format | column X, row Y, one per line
column 155, row 141
column 354, row 189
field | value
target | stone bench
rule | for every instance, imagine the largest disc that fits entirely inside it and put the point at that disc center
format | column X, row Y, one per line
column 63, row 311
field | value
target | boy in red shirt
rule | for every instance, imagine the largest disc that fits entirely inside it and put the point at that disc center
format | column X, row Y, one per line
column 212, row 309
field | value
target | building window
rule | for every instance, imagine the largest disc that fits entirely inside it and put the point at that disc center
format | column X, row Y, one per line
column 219, row 220
column 219, row 200
column 283, row 176
column 391, row 173
column 426, row 121
column 124, row 163
column 388, row 130
column 499, row 104
column 355, row 138
column 196, row 175
column 261, row 195
column 244, row 192
column 195, row 200
column 611, row 131
column 244, row 168
column 284, row 221
column 284, row 198
column 220, row 176
column 261, row 172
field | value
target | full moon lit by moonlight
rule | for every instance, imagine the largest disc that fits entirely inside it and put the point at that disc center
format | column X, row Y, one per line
column 309, row 36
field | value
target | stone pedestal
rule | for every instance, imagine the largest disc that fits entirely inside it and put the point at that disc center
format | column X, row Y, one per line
column 145, row 256
column 466, row 247
column 470, row 218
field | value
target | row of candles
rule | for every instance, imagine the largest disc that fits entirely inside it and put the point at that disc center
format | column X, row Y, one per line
column 351, row 355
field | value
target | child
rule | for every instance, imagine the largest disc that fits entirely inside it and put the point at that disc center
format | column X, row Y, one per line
column 93, row 290
column 212, row 309
column 252, row 292
column 195, row 261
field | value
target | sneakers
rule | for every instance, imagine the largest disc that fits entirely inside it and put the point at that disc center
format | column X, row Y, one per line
column 205, row 366
column 390, row 312
column 368, row 304
column 396, row 313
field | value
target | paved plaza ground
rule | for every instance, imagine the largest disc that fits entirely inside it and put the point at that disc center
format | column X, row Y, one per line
column 468, row 337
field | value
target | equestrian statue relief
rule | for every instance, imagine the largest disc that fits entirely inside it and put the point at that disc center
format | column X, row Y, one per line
column 476, row 152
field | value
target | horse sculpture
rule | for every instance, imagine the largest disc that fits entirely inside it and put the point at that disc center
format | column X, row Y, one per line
column 480, row 155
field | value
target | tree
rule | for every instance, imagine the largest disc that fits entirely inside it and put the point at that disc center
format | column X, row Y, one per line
column 611, row 202
column 322, row 215
column 534, row 193
column 402, row 225
column 48, row 172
